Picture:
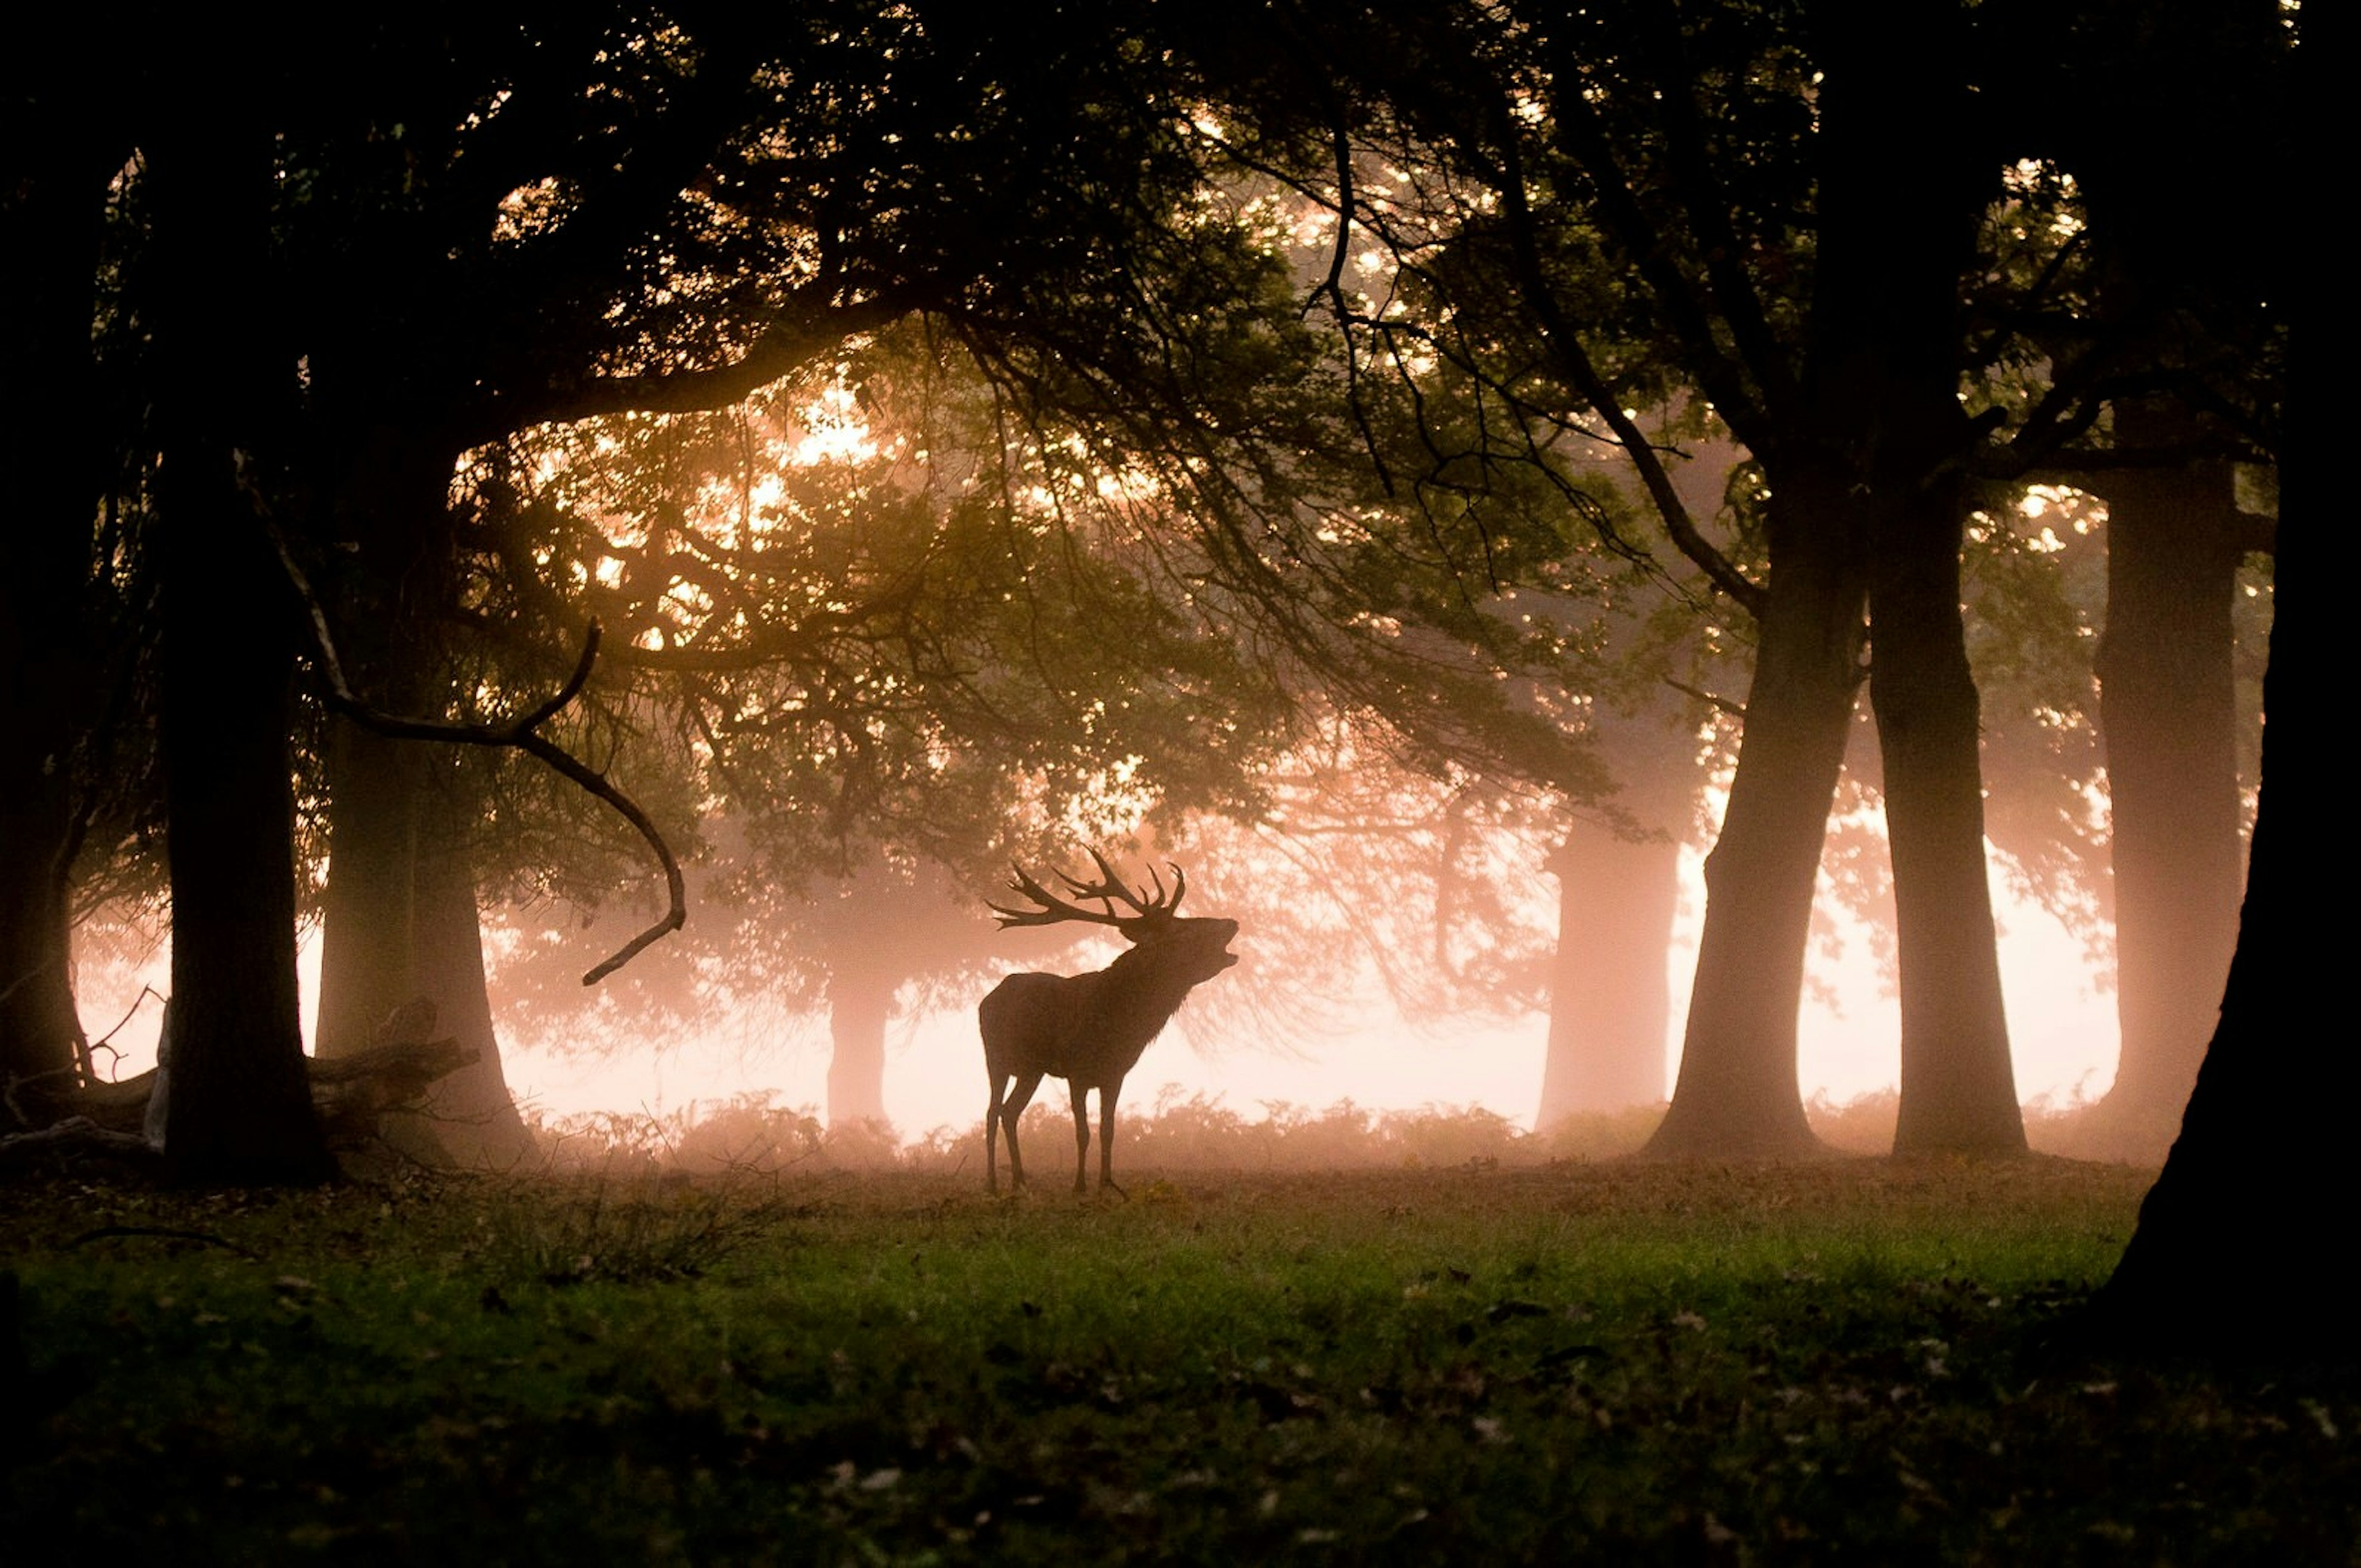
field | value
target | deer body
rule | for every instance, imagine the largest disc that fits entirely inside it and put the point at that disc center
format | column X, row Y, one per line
column 1090, row 1030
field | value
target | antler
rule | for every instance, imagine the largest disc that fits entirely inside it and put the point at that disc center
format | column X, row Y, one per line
column 1109, row 890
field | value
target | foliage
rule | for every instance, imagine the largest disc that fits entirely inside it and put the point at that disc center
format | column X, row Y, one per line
column 613, row 1233
column 1641, row 1363
column 754, row 1136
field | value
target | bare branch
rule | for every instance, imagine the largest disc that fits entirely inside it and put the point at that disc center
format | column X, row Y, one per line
column 520, row 734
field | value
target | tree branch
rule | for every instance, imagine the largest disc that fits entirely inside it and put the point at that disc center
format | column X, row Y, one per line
column 520, row 734
column 1719, row 703
column 783, row 348
column 1567, row 346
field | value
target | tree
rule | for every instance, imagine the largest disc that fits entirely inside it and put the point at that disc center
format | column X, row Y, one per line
column 748, row 198
column 238, row 1108
column 2169, row 709
column 2227, row 1259
column 1619, row 894
column 58, row 157
column 2222, row 1264
column 1688, row 198
column 1800, row 214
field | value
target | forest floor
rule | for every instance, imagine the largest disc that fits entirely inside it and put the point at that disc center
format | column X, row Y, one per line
column 1856, row 1360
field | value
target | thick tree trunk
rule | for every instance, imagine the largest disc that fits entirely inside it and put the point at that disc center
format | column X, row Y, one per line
column 41, row 1033
column 859, row 1005
column 240, row 1111
column 1958, row 1085
column 55, row 174
column 1609, row 1002
column 1737, row 1095
column 2167, row 711
column 371, row 907
column 2240, row 1249
column 401, row 925
column 471, row 1112
column 1903, row 181
column 403, row 930
column 240, row 1108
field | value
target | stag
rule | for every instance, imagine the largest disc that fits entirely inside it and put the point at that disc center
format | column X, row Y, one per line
column 1090, row 1030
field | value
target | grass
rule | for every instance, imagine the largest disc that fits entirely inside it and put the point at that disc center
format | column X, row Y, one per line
column 1839, row 1362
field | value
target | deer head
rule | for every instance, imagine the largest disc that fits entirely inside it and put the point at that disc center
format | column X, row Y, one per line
column 1090, row 1030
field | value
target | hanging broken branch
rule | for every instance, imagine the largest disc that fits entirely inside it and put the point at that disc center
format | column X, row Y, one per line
column 521, row 733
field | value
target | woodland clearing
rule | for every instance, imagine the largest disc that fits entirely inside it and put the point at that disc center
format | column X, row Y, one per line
column 1858, row 1358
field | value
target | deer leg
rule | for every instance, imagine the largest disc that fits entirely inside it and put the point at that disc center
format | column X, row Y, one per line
column 992, row 1136
column 1083, row 1133
column 1011, row 1109
column 1107, row 1093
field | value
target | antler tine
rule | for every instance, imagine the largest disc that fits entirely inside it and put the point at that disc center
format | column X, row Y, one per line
column 1166, row 902
column 1053, row 910
column 1108, row 890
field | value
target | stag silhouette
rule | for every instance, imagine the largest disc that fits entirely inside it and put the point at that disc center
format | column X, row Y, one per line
column 1090, row 1030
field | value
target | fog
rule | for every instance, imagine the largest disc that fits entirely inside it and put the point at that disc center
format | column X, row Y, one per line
column 2062, row 1027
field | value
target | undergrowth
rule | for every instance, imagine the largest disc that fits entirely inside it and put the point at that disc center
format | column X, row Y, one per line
column 755, row 1134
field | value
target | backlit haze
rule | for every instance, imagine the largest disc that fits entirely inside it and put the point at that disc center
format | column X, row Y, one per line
column 2062, row 1029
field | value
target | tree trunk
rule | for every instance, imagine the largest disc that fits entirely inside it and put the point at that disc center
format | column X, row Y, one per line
column 2239, row 1252
column 1737, row 1095
column 1958, row 1085
column 56, row 176
column 402, row 930
column 41, row 1040
column 471, row 1111
column 370, row 908
column 239, row 1109
column 1609, row 1002
column 1903, row 182
column 401, row 925
column 859, row 1004
column 2168, row 712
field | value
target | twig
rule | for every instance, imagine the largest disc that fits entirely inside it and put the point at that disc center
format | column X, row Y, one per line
column 145, row 992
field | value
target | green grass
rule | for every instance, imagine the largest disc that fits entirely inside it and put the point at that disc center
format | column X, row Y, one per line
column 1833, row 1363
